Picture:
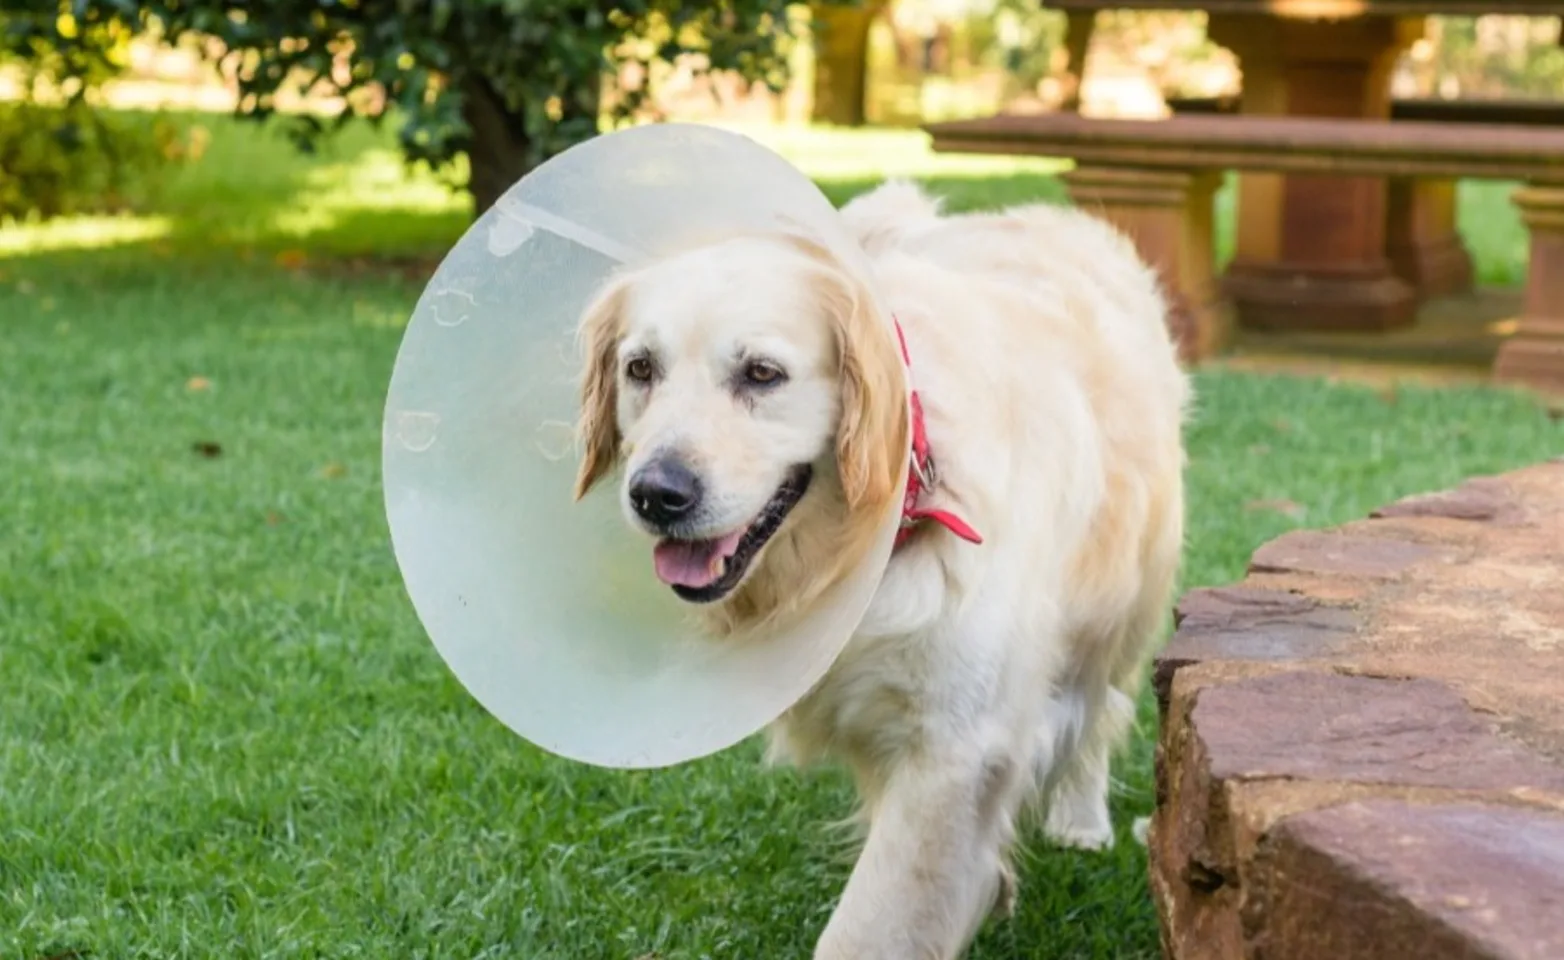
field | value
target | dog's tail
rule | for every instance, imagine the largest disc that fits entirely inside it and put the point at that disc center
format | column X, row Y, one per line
column 883, row 217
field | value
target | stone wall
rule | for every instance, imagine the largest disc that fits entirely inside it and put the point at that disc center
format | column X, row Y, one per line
column 1362, row 743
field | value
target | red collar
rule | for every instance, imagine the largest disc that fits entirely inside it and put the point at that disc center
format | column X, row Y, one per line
column 922, row 476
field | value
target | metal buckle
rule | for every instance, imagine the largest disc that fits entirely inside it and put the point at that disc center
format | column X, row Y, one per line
column 925, row 472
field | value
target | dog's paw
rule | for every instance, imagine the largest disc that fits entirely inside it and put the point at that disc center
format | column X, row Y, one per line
column 1079, row 829
column 1077, row 839
column 1005, row 897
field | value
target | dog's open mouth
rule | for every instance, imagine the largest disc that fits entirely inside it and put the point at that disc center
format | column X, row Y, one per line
column 705, row 571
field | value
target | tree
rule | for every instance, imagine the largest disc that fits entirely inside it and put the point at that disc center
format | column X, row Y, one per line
column 509, row 83
column 57, row 154
column 841, row 37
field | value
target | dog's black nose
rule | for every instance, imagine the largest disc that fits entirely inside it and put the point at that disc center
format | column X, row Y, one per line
column 664, row 492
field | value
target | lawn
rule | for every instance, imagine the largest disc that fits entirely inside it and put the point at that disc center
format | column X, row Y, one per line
column 224, row 733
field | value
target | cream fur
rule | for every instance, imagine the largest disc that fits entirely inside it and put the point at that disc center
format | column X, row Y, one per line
column 983, row 676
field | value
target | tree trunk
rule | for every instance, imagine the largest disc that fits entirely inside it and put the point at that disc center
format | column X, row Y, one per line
column 841, row 41
column 499, row 152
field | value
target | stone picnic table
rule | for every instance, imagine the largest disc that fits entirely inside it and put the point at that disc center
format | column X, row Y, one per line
column 1363, row 250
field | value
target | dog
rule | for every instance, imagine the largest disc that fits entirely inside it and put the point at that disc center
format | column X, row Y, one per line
column 754, row 393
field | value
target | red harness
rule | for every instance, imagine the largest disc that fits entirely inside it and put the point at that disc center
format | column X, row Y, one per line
column 922, row 477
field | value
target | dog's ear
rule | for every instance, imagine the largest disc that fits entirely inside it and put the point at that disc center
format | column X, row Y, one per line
column 601, row 328
column 872, row 438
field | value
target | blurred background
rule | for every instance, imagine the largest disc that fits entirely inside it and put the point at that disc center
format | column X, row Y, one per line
column 887, row 65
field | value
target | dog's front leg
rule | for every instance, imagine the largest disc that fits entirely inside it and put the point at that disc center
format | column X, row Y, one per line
column 934, row 863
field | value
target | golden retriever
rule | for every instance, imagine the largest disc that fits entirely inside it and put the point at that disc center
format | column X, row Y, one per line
column 754, row 399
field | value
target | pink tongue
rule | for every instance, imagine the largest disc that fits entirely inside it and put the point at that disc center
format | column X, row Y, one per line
column 693, row 563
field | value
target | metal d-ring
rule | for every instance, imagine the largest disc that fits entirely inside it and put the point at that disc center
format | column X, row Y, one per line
column 925, row 472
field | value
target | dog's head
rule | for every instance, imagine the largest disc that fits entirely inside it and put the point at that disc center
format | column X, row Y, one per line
column 755, row 402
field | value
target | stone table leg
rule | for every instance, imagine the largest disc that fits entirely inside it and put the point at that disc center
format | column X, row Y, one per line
column 1079, row 25
column 1311, row 250
column 1534, row 356
column 1422, row 239
column 1168, row 213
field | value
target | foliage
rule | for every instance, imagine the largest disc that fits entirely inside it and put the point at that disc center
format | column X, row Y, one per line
column 510, row 82
column 1021, row 37
column 58, row 154
column 62, row 159
column 68, row 55
column 1501, row 57
column 542, row 59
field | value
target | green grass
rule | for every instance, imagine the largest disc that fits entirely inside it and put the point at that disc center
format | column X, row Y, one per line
column 223, row 732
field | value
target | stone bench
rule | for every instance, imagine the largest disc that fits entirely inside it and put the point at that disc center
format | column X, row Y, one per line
column 1361, row 752
column 1509, row 112
column 1156, row 179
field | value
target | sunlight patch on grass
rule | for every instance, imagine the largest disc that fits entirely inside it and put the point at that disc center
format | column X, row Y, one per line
column 381, row 178
column 81, row 233
column 252, row 189
column 377, row 181
column 832, row 153
column 373, row 315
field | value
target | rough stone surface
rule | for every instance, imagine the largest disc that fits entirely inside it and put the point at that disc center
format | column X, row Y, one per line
column 1480, row 499
column 1252, row 624
column 1321, row 726
column 1362, row 744
column 1336, row 554
column 1456, row 881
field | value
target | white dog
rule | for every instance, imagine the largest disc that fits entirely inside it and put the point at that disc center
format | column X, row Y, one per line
column 755, row 403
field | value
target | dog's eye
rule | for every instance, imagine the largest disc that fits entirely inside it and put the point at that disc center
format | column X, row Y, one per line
column 639, row 369
column 763, row 374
